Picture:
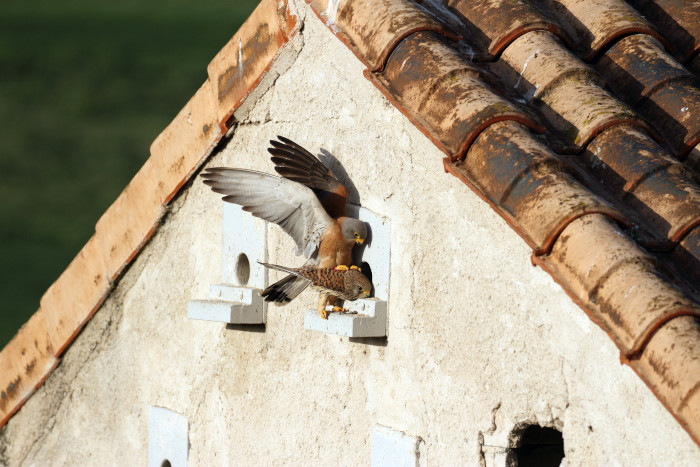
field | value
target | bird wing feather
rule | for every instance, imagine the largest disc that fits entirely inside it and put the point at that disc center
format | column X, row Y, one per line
column 288, row 204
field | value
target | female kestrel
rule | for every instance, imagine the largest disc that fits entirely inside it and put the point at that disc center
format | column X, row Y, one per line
column 346, row 284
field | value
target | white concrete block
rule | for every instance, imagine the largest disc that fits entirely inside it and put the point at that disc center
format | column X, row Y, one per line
column 230, row 304
column 392, row 448
column 376, row 252
column 370, row 320
column 244, row 244
column 167, row 438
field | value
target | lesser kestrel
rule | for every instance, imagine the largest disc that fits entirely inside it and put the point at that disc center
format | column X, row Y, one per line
column 346, row 284
column 325, row 240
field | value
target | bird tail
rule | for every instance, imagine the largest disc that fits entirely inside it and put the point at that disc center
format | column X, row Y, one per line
column 286, row 289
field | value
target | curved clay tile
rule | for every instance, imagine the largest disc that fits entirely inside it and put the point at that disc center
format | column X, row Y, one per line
column 597, row 24
column 523, row 179
column 443, row 93
column 678, row 20
column 496, row 23
column 373, row 28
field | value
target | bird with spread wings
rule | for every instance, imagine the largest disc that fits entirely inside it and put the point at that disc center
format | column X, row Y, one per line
column 308, row 202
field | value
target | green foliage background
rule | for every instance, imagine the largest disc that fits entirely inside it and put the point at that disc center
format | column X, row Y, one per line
column 85, row 87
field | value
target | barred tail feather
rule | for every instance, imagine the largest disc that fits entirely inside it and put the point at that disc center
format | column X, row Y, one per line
column 286, row 289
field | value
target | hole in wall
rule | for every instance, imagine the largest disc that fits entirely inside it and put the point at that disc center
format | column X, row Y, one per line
column 537, row 446
column 165, row 463
column 242, row 269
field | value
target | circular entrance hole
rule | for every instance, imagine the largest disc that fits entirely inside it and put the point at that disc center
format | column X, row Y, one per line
column 242, row 269
column 537, row 446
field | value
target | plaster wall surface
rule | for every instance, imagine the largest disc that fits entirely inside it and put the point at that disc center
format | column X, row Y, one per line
column 479, row 342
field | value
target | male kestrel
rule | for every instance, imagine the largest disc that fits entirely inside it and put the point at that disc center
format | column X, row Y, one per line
column 346, row 284
column 325, row 240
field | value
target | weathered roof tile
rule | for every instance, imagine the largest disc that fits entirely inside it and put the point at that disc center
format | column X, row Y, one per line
column 596, row 24
column 577, row 108
column 536, row 60
column 243, row 61
column 25, row 362
column 76, row 295
column 686, row 256
column 670, row 364
column 678, row 20
column 372, row 28
column 494, row 24
column 675, row 110
column 524, row 180
column 443, row 93
column 641, row 174
column 623, row 287
column 637, row 65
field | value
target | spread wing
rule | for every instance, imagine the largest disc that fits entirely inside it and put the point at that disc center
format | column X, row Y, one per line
column 288, row 204
column 296, row 163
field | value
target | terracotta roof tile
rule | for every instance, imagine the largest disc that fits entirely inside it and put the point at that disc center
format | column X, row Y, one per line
column 577, row 109
column 670, row 364
column 686, row 256
column 675, row 110
column 596, row 24
column 494, row 24
column 244, row 60
column 525, row 181
column 25, row 362
column 372, row 28
column 637, row 65
column 536, row 60
column 442, row 91
column 660, row 192
column 625, row 290
column 679, row 21
column 78, row 292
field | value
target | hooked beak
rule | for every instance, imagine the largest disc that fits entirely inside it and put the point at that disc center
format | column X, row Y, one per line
column 359, row 241
column 365, row 293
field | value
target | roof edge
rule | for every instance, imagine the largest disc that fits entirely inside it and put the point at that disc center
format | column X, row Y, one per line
column 129, row 223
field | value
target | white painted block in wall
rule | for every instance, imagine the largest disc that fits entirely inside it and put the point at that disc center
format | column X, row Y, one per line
column 167, row 438
column 391, row 448
column 369, row 322
column 244, row 244
column 238, row 299
column 371, row 318
column 229, row 304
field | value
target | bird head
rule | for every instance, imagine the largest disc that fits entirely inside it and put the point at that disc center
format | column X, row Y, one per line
column 357, row 285
column 354, row 230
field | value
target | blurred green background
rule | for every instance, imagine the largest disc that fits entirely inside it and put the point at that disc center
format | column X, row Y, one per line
column 85, row 87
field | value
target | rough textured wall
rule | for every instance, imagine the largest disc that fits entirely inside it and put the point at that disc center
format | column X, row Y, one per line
column 479, row 340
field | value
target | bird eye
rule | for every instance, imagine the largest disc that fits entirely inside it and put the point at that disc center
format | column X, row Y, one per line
column 357, row 235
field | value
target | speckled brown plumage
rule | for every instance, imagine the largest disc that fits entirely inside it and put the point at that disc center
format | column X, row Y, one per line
column 348, row 284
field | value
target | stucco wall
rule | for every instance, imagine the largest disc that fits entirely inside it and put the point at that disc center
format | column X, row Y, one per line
column 478, row 340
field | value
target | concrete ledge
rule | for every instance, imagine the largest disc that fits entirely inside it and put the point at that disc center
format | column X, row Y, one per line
column 230, row 304
column 370, row 320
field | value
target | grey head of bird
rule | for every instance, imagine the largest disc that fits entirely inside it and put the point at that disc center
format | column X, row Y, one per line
column 354, row 230
column 356, row 285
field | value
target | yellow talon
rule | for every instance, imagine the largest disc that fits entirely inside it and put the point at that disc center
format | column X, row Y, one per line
column 338, row 309
column 324, row 314
column 341, row 267
column 356, row 268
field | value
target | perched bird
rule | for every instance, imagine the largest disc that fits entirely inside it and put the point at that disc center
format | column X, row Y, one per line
column 314, row 216
column 346, row 284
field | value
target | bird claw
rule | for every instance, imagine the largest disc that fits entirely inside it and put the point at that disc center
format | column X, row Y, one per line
column 345, row 311
column 341, row 267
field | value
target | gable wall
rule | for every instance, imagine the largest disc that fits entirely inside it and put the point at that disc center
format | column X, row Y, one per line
column 479, row 340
